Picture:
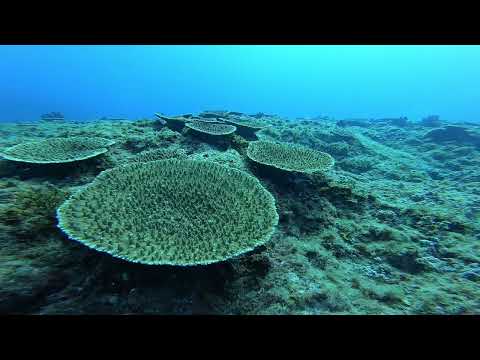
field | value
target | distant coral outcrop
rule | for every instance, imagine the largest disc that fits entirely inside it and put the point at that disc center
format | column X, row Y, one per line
column 453, row 133
column 52, row 116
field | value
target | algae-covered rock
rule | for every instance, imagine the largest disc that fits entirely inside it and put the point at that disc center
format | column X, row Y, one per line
column 452, row 133
column 247, row 127
column 239, row 144
column 394, row 230
column 357, row 164
column 176, row 212
column 31, row 210
column 176, row 123
column 168, row 136
column 249, row 123
column 229, row 158
column 431, row 121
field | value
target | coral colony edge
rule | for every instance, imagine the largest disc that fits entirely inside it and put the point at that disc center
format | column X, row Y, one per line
column 223, row 212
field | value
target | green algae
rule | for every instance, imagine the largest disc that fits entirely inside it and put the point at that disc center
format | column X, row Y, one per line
column 31, row 212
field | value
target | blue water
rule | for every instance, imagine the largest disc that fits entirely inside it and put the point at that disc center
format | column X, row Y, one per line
column 88, row 82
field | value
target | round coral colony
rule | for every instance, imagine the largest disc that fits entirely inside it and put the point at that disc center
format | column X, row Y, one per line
column 289, row 157
column 211, row 128
column 171, row 212
column 58, row 150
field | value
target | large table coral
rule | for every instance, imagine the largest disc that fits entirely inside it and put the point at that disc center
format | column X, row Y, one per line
column 289, row 157
column 175, row 212
column 211, row 128
column 58, row 150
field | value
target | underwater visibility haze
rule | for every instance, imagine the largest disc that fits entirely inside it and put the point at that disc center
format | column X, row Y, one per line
column 87, row 82
column 239, row 180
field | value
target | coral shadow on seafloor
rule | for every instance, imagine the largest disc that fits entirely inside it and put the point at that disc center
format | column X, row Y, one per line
column 284, row 181
column 116, row 286
column 221, row 142
column 60, row 171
